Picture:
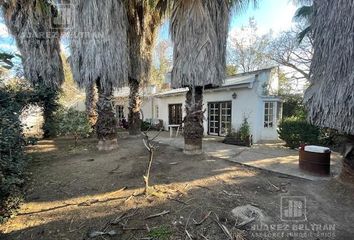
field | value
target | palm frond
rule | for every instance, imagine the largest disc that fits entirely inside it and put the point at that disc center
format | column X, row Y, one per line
column 30, row 22
column 198, row 30
column 330, row 98
column 304, row 13
column 98, row 43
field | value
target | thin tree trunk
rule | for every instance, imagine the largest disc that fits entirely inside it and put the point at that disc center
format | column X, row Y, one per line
column 49, row 126
column 134, row 120
column 193, row 122
column 347, row 174
column 91, row 104
column 106, row 125
column 49, row 99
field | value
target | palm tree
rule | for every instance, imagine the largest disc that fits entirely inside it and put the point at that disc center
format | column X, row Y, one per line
column 99, row 56
column 199, row 31
column 330, row 97
column 30, row 22
column 144, row 18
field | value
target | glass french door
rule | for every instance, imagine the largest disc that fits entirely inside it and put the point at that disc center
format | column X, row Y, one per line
column 219, row 118
column 214, row 119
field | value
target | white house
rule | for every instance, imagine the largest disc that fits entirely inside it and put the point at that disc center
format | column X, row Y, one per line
column 251, row 95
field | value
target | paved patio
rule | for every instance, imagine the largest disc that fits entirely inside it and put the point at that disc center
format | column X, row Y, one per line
column 269, row 156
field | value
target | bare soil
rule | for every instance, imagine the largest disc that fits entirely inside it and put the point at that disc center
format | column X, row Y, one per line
column 73, row 192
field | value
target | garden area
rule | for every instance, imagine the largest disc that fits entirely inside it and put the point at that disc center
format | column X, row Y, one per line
column 79, row 193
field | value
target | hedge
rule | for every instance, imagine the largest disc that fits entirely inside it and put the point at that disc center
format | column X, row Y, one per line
column 296, row 131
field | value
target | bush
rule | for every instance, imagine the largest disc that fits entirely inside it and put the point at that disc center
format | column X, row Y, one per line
column 240, row 137
column 296, row 131
column 12, row 143
column 71, row 122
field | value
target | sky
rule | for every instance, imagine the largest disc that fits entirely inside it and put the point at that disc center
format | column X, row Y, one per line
column 275, row 15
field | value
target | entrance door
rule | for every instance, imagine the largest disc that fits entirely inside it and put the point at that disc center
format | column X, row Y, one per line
column 214, row 119
column 219, row 118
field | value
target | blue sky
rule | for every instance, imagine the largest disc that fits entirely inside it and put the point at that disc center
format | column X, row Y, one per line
column 275, row 15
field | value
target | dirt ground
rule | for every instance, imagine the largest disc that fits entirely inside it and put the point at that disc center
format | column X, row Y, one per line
column 75, row 193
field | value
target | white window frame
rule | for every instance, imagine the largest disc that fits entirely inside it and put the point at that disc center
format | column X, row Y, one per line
column 268, row 114
column 120, row 114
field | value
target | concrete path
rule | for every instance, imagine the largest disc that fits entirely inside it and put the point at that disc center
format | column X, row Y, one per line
column 272, row 156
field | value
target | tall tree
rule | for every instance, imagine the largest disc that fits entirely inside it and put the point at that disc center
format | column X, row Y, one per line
column 99, row 56
column 30, row 22
column 330, row 97
column 144, row 18
column 247, row 47
column 198, row 30
column 287, row 51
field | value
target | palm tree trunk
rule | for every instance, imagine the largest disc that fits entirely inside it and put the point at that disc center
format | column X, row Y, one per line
column 91, row 104
column 347, row 174
column 193, row 121
column 134, row 107
column 106, row 125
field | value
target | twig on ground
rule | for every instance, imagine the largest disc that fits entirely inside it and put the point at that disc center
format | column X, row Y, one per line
column 188, row 234
column 203, row 220
column 276, row 187
column 158, row 214
column 177, row 200
column 203, row 236
column 223, row 227
column 100, row 234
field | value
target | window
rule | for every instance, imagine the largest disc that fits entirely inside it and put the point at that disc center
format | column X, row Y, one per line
column 157, row 112
column 120, row 112
column 268, row 114
column 175, row 114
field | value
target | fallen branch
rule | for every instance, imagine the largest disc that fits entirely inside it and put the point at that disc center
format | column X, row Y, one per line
column 158, row 214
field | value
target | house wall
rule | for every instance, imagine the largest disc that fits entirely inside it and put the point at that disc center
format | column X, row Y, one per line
column 247, row 104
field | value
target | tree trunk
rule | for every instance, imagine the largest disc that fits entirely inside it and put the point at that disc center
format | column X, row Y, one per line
column 134, row 120
column 347, row 174
column 91, row 104
column 49, row 98
column 49, row 126
column 193, row 122
column 106, row 125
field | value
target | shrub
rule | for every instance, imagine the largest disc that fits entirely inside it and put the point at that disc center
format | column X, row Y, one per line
column 71, row 122
column 244, row 130
column 12, row 143
column 296, row 131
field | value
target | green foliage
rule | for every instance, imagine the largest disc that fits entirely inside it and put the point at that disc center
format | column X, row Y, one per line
column 71, row 122
column 296, row 131
column 160, row 233
column 13, row 99
column 244, row 130
column 293, row 106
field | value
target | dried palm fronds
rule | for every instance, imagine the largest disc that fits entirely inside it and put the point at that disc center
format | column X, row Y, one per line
column 330, row 97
